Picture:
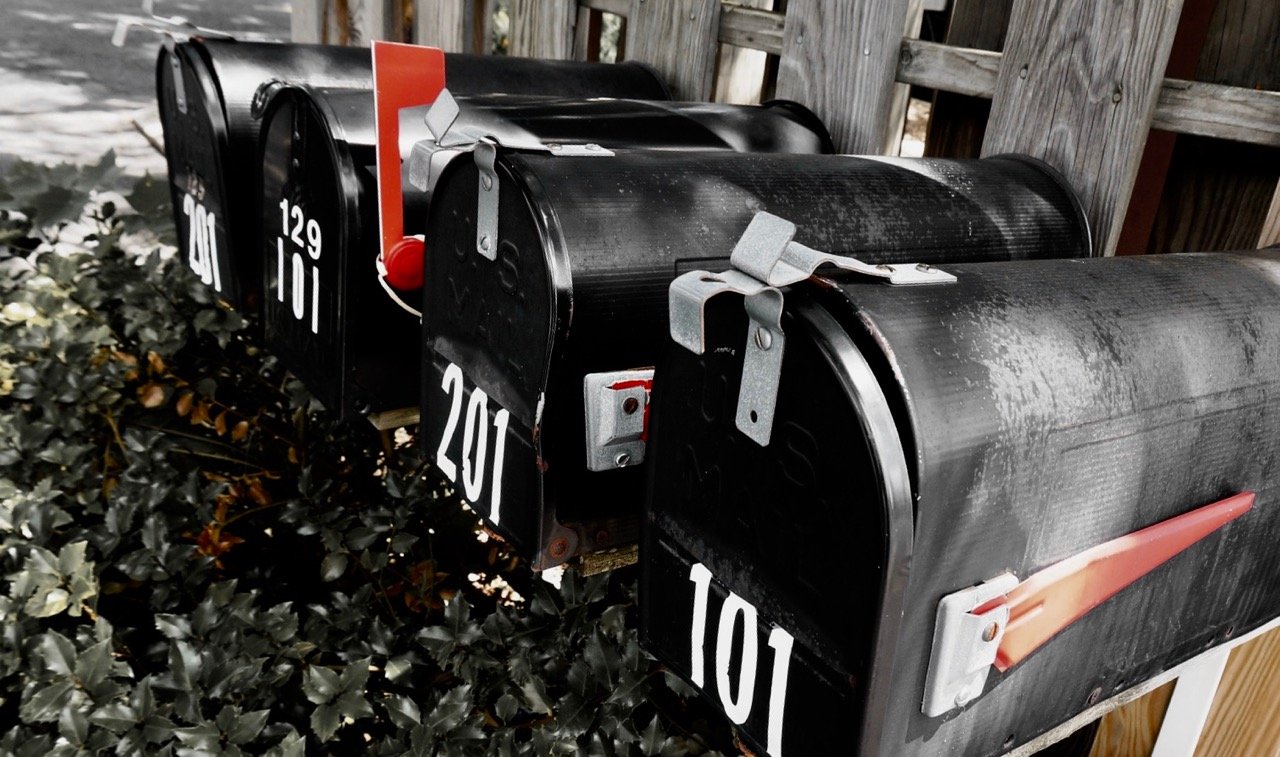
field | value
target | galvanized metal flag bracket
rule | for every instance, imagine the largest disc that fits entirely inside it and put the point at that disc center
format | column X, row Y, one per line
column 765, row 259
column 998, row 623
column 616, row 407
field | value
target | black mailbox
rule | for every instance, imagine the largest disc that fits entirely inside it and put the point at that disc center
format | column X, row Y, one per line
column 205, row 89
column 326, row 312
column 948, row 517
column 539, row 359
column 208, row 93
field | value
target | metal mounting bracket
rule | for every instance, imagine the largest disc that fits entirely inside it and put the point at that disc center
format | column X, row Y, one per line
column 764, row 259
column 617, row 415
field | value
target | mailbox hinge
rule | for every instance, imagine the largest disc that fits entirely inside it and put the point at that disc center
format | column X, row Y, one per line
column 428, row 157
column 765, row 259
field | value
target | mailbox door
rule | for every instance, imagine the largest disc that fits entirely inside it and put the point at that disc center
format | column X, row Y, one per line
column 804, row 544
column 311, row 197
column 196, row 146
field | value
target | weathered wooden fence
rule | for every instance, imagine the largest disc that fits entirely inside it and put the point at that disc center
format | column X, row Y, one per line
column 1164, row 115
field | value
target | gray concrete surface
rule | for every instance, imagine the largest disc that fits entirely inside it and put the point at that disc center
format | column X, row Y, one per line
column 66, row 94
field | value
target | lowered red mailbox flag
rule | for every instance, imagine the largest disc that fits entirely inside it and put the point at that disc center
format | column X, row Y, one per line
column 1052, row 599
column 404, row 76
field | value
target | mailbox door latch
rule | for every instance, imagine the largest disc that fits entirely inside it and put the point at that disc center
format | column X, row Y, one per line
column 449, row 138
column 765, row 259
column 617, row 417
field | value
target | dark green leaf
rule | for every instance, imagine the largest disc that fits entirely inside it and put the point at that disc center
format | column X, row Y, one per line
column 325, row 721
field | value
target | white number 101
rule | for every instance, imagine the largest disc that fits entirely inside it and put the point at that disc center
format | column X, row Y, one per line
column 739, row 709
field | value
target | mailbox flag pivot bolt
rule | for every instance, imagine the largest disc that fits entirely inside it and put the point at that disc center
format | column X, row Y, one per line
column 404, row 264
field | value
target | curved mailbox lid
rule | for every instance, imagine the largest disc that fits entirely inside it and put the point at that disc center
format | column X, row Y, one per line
column 344, row 336
column 587, row 250
column 212, row 143
column 1055, row 406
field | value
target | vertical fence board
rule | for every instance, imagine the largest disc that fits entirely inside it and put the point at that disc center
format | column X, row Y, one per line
column 839, row 58
column 958, row 122
column 1271, row 227
column 897, row 114
column 740, row 71
column 1157, row 155
column 375, row 19
column 1077, row 85
column 306, row 19
column 543, row 28
column 1218, row 193
column 446, row 24
column 679, row 38
column 586, row 35
column 1130, row 731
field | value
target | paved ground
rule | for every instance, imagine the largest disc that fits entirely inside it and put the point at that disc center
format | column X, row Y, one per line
column 66, row 94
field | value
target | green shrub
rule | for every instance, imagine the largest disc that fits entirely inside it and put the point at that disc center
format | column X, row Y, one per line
column 200, row 561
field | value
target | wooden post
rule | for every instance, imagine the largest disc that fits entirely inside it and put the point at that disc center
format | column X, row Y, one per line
column 897, row 113
column 375, row 19
column 446, row 24
column 543, row 28
column 740, row 71
column 1270, row 236
column 1077, row 85
column 1243, row 719
column 1218, row 193
column 586, row 34
column 1131, row 729
column 306, row 21
column 679, row 38
column 958, row 122
column 839, row 58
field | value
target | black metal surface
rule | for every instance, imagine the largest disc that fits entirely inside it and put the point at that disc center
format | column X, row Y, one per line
column 348, row 342
column 364, row 353
column 587, row 249
column 212, row 147
column 1044, row 407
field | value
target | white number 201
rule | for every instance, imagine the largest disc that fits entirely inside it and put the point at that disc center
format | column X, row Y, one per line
column 739, row 708
column 475, row 442
column 202, row 242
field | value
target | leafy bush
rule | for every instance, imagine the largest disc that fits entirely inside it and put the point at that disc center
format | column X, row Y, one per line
column 201, row 561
